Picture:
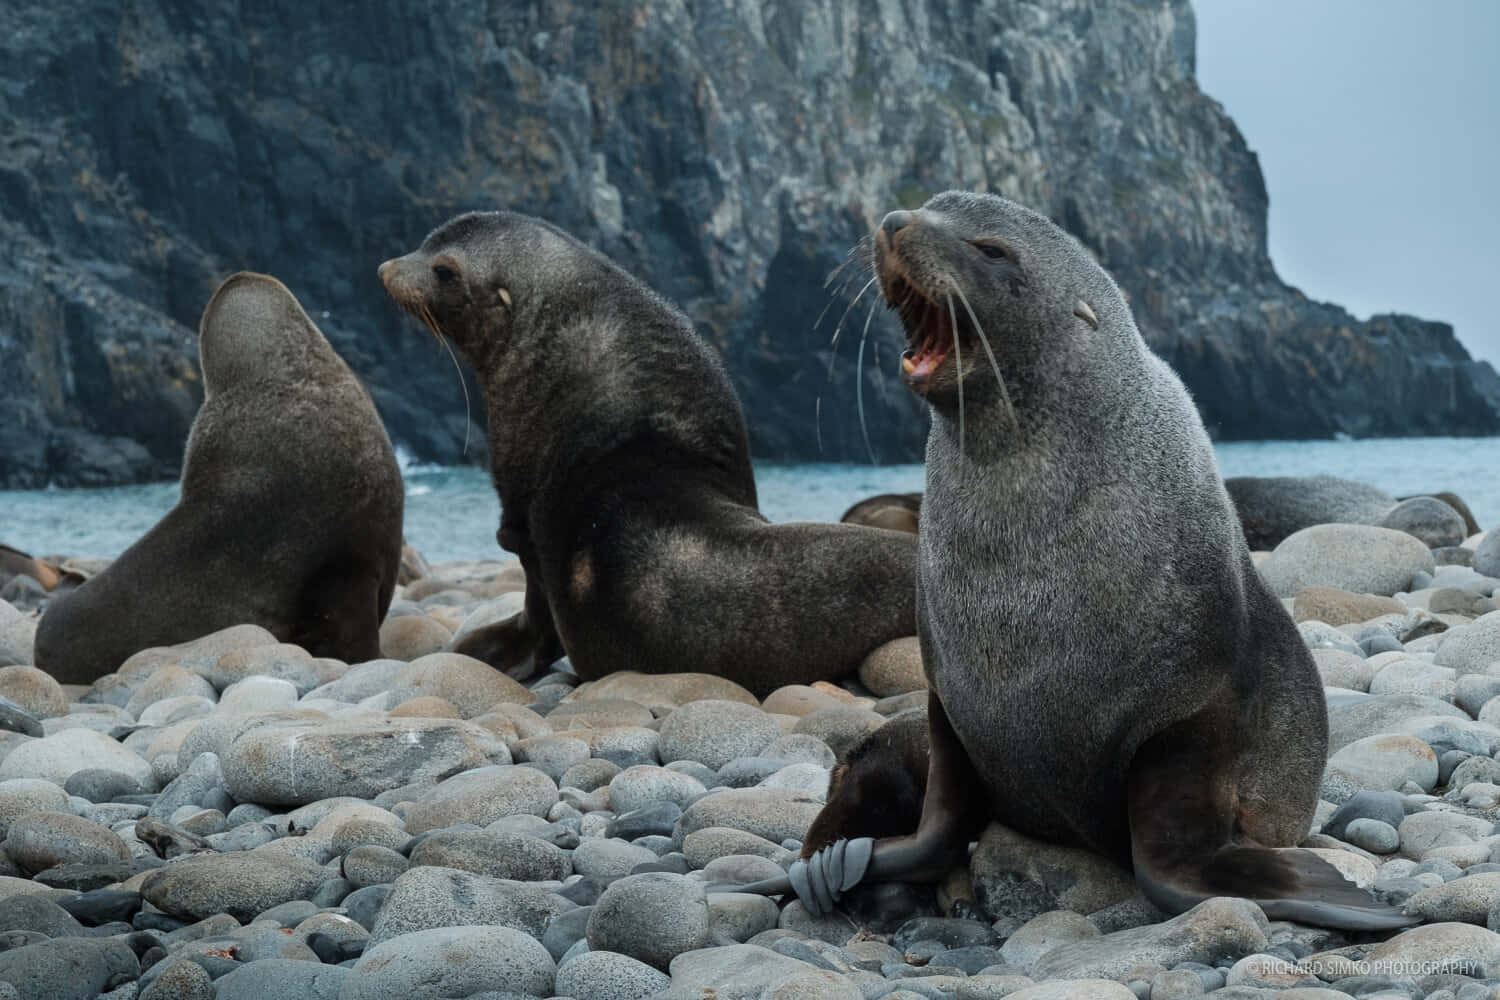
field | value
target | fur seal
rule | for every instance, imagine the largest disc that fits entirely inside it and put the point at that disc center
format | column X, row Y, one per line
column 1106, row 669
column 290, row 514
column 621, row 459
column 893, row 511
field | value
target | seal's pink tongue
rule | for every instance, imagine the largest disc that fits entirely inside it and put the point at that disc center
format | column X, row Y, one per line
column 922, row 365
column 937, row 341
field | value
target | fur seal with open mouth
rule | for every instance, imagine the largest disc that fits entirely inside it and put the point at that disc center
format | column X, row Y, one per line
column 621, row 459
column 290, row 514
column 1106, row 669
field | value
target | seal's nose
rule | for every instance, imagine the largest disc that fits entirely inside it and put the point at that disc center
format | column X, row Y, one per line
column 894, row 223
column 385, row 271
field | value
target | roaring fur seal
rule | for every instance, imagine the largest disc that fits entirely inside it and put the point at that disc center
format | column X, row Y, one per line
column 1106, row 669
column 893, row 511
column 290, row 514
column 621, row 459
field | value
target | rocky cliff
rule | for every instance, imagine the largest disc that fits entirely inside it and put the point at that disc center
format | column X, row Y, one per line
column 730, row 152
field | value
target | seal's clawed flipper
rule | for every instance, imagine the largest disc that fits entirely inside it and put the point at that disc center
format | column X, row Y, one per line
column 818, row 880
column 951, row 816
column 1187, row 846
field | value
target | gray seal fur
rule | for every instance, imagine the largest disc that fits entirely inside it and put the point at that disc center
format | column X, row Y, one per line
column 290, row 513
column 1107, row 669
column 620, row 456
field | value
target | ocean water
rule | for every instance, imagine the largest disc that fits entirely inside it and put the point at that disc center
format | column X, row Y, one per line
column 452, row 512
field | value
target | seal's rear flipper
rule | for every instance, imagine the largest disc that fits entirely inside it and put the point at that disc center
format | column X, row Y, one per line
column 1192, row 837
column 1287, row 883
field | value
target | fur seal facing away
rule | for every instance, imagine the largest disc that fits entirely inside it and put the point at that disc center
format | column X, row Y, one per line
column 893, row 511
column 1106, row 669
column 621, row 459
column 290, row 514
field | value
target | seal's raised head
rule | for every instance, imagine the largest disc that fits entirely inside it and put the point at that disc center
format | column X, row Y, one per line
column 481, row 277
column 253, row 329
column 964, row 256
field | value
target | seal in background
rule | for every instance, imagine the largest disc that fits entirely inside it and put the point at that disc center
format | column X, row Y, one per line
column 620, row 456
column 290, row 514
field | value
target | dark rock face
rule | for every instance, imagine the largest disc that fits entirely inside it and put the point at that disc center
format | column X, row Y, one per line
column 730, row 154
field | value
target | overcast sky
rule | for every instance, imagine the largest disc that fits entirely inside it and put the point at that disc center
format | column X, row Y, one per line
column 1377, row 123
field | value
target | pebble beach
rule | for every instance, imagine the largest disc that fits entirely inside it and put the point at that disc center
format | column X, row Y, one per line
column 232, row 818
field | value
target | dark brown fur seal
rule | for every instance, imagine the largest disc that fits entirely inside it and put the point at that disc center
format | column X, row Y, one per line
column 290, row 515
column 892, row 511
column 1106, row 668
column 620, row 455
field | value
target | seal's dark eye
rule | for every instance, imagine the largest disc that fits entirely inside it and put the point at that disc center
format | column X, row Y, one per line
column 991, row 250
column 444, row 273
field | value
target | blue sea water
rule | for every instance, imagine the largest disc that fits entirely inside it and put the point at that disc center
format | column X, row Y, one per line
column 452, row 512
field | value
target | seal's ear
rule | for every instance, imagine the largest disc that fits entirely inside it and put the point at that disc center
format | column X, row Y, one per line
column 1082, row 311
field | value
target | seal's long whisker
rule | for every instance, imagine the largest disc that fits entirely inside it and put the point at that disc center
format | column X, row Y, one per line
column 832, row 298
column 843, row 266
column 984, row 341
column 468, row 419
column 833, row 345
column 958, row 370
column 859, row 384
column 437, row 331
column 843, row 276
column 818, row 420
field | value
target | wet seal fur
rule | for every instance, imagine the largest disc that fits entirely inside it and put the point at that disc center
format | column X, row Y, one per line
column 1076, row 537
column 290, row 514
column 620, row 456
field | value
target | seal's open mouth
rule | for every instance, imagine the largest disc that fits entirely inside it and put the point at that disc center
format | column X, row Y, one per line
column 929, row 330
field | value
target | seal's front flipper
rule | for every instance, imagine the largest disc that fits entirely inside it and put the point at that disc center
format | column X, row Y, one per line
column 952, row 813
column 831, row 871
